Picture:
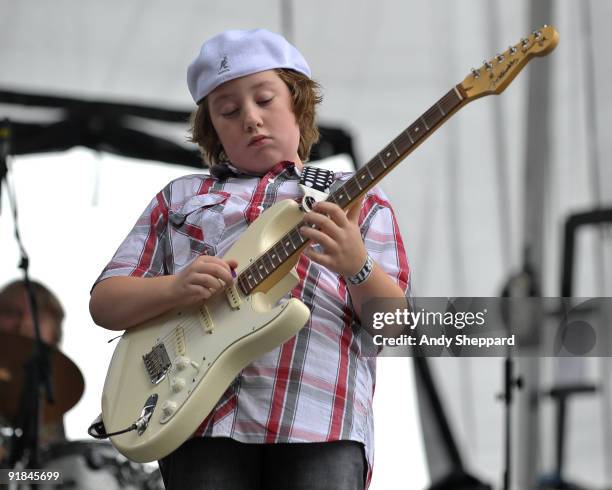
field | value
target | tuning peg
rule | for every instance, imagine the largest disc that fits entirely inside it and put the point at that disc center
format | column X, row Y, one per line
column 487, row 65
column 537, row 34
column 499, row 58
column 512, row 50
column 475, row 73
column 524, row 44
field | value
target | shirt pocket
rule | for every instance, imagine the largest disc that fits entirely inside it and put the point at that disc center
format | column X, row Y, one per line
column 195, row 227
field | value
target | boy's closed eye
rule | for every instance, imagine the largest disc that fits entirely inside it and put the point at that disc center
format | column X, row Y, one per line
column 266, row 101
column 230, row 113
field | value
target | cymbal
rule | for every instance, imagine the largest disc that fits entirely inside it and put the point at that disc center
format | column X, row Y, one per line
column 66, row 378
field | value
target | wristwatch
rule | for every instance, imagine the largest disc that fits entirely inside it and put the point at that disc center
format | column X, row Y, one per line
column 363, row 273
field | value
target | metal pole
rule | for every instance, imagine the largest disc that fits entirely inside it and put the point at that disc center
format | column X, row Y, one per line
column 537, row 177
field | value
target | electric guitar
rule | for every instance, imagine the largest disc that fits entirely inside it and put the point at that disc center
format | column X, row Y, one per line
column 168, row 373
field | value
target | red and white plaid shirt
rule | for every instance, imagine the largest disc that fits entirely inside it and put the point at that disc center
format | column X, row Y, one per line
column 318, row 386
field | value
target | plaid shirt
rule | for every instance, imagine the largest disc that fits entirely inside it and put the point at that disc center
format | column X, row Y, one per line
column 317, row 386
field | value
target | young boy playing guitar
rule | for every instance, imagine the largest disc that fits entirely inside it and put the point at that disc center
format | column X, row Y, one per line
column 300, row 416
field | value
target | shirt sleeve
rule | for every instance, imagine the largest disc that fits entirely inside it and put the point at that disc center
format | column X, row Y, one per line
column 142, row 254
column 383, row 239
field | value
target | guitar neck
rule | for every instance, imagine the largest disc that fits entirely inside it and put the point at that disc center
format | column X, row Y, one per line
column 364, row 179
column 404, row 144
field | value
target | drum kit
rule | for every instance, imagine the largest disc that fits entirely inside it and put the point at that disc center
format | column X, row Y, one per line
column 83, row 464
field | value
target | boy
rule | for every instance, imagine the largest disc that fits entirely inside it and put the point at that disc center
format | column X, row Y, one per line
column 301, row 415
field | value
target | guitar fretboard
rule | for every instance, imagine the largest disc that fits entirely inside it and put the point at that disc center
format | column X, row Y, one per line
column 365, row 178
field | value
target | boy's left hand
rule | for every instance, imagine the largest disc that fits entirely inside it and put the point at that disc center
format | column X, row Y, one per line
column 339, row 236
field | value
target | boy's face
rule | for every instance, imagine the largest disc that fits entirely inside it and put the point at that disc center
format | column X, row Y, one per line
column 255, row 122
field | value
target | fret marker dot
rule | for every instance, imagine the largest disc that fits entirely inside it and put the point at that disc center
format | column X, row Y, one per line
column 416, row 129
column 388, row 154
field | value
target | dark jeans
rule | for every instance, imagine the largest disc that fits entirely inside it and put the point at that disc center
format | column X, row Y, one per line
column 211, row 463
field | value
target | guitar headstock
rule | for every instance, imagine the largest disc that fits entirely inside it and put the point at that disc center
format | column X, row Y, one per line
column 497, row 73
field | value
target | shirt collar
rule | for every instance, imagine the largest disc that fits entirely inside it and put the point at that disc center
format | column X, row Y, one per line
column 225, row 170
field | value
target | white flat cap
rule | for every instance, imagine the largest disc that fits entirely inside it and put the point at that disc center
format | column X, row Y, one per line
column 236, row 53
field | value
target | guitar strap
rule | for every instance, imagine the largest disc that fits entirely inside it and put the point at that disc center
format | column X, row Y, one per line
column 314, row 184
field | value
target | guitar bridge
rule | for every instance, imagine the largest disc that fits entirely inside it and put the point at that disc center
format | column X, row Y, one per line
column 157, row 363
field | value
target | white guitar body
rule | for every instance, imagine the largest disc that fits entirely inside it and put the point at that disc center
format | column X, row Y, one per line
column 206, row 348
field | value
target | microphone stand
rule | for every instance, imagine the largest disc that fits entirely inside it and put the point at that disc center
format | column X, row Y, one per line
column 5, row 147
column 521, row 285
column 37, row 379
column 510, row 383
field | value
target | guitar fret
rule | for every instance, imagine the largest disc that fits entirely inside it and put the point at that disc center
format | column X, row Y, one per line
column 382, row 161
column 451, row 100
column 262, row 266
column 363, row 174
column 353, row 187
column 241, row 284
column 271, row 264
column 295, row 234
column 393, row 145
column 440, row 108
column 424, row 122
column 284, row 243
column 342, row 197
column 274, row 256
column 256, row 271
column 367, row 167
column 388, row 155
column 432, row 117
column 416, row 132
column 332, row 198
column 250, row 280
column 407, row 132
column 403, row 142
column 281, row 250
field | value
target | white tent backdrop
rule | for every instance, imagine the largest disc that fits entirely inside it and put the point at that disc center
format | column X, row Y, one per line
column 381, row 65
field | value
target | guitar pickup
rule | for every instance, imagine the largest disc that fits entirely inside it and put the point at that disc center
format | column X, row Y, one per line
column 233, row 298
column 179, row 337
column 157, row 363
column 205, row 319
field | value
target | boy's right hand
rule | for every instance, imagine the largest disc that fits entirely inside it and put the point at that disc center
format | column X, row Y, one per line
column 201, row 279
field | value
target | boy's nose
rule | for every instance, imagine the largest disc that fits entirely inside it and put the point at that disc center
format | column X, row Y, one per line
column 252, row 120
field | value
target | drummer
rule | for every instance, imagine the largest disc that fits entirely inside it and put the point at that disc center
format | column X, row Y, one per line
column 16, row 318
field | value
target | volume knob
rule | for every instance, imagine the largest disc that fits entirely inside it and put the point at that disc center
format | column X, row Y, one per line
column 168, row 408
column 181, row 362
column 177, row 384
